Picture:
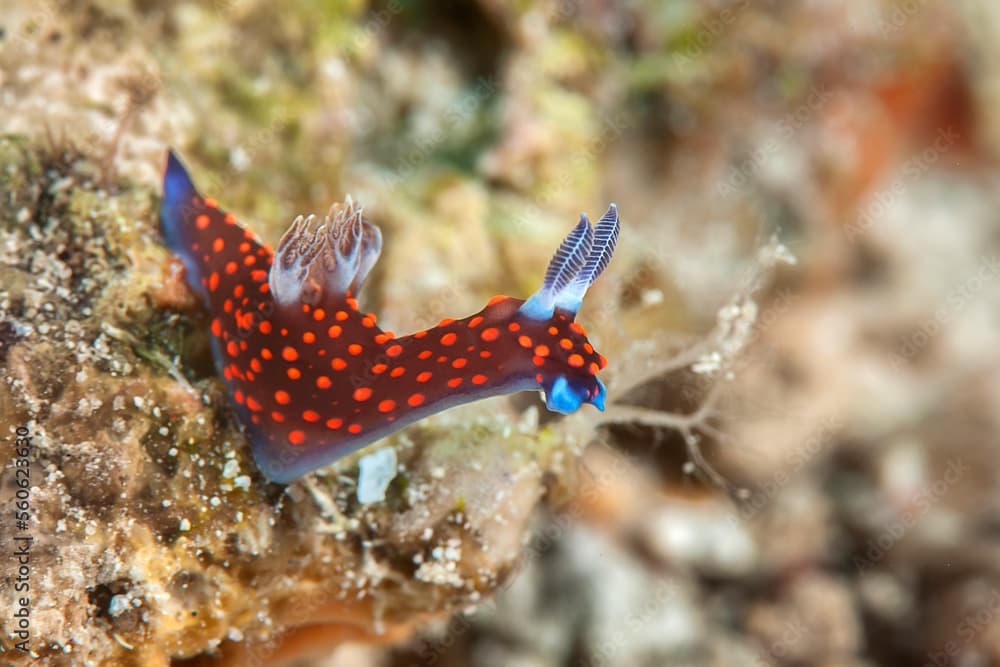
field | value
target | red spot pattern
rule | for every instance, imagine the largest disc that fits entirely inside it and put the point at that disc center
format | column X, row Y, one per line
column 323, row 376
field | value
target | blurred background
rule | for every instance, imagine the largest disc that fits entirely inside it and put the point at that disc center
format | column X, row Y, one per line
column 801, row 319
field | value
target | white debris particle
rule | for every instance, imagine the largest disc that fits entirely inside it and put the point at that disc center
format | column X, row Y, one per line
column 735, row 328
column 165, row 503
column 442, row 569
column 172, row 451
column 452, row 550
column 651, row 297
column 214, row 501
column 707, row 364
column 234, row 635
column 137, row 401
column 118, row 604
column 163, row 430
column 242, row 482
column 231, row 469
column 437, row 472
column 777, row 252
column 377, row 470
column 184, row 526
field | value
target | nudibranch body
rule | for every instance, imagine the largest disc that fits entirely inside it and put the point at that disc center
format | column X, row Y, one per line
column 314, row 378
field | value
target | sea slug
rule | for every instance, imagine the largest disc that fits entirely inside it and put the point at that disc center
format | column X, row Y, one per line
column 313, row 377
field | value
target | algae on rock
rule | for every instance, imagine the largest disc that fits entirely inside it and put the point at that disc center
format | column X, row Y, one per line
column 155, row 536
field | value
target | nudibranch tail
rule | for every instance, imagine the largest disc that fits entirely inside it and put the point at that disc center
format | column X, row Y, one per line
column 312, row 377
column 178, row 196
column 218, row 254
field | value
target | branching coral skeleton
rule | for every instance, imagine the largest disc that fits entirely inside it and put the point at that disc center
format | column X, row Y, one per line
column 714, row 359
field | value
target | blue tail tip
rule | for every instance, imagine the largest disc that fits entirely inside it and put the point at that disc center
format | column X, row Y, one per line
column 177, row 183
